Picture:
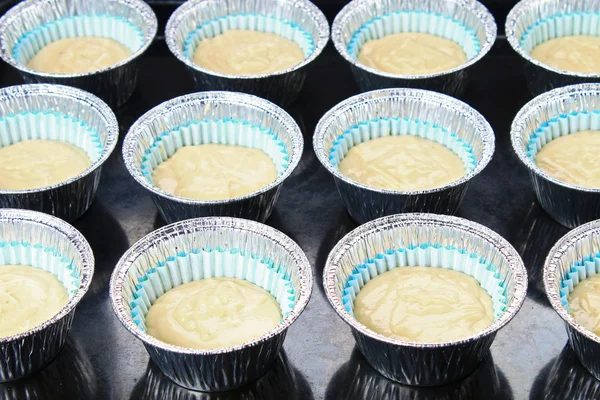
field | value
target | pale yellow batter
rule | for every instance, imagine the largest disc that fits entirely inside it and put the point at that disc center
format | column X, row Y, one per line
column 245, row 52
column 411, row 53
column 571, row 53
column 584, row 303
column 215, row 172
column 423, row 304
column 34, row 164
column 28, row 297
column 213, row 313
column 79, row 55
column 573, row 158
column 404, row 162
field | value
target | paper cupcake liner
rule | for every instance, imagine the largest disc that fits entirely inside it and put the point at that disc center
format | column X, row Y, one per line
column 432, row 256
column 222, row 131
column 381, row 127
column 106, row 26
column 48, row 125
column 200, row 264
column 580, row 271
column 416, row 21
column 249, row 21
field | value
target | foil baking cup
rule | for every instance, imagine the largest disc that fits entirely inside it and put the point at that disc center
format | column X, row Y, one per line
column 54, row 112
column 45, row 242
column 532, row 22
column 465, row 22
column 551, row 115
column 297, row 20
column 213, row 117
column 199, row 249
column 376, row 247
column 574, row 258
column 388, row 112
column 33, row 24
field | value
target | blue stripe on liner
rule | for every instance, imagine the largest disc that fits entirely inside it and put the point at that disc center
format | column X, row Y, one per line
column 580, row 271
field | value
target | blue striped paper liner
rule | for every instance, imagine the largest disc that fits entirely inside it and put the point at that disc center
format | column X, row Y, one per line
column 208, row 263
column 581, row 270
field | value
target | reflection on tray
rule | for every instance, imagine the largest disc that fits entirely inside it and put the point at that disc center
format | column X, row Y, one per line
column 357, row 380
column 281, row 382
column 70, row 376
column 565, row 378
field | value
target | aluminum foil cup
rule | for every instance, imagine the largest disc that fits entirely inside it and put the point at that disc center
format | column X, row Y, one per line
column 433, row 241
column 570, row 261
column 234, row 248
column 466, row 22
column 557, row 113
column 213, row 117
column 395, row 112
column 58, row 113
column 33, row 24
column 297, row 20
column 532, row 22
column 46, row 242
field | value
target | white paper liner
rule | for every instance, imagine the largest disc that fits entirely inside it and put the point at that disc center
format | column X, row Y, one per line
column 223, row 131
column 248, row 21
column 381, row 127
column 208, row 263
column 418, row 22
column 580, row 271
column 433, row 256
column 105, row 26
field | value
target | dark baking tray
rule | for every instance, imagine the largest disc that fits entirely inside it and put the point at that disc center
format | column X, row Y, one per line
column 103, row 361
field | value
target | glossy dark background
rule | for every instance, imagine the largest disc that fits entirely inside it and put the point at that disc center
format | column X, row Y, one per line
column 103, row 361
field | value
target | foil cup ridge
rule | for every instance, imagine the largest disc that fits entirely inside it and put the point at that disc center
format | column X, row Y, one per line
column 71, row 198
column 365, row 203
column 225, row 368
column 439, row 362
column 212, row 105
column 24, row 353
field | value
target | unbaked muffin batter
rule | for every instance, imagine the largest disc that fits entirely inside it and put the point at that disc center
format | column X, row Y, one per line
column 213, row 313
column 79, row 55
column 215, row 172
column 423, row 304
column 411, row 53
column 573, row 158
column 36, row 163
column 584, row 303
column 570, row 53
column 29, row 296
column 403, row 162
column 246, row 52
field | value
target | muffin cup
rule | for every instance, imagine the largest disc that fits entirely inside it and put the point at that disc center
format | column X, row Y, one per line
column 213, row 117
column 416, row 112
column 58, row 113
column 297, row 20
column 551, row 115
column 45, row 242
column 199, row 249
column 572, row 259
column 466, row 22
column 532, row 22
column 33, row 24
column 435, row 241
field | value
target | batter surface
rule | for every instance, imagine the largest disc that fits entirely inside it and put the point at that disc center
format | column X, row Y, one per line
column 422, row 304
column 246, row 52
column 215, row 172
column 213, row 313
column 29, row 297
column 404, row 162
column 584, row 303
column 79, row 55
column 571, row 53
column 34, row 164
column 573, row 158
column 412, row 53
